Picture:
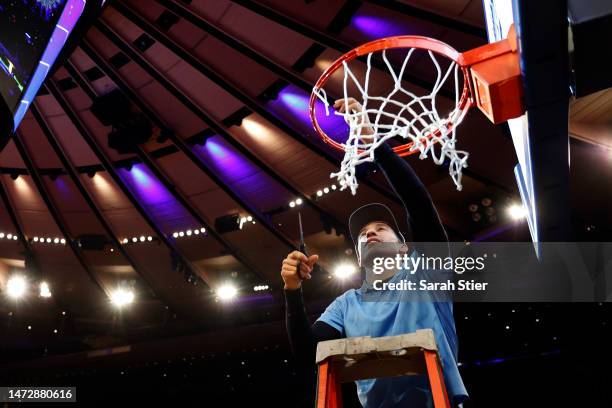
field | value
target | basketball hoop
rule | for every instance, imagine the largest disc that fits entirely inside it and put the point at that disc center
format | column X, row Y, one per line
column 482, row 77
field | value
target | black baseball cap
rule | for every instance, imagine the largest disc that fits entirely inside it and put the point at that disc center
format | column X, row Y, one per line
column 369, row 213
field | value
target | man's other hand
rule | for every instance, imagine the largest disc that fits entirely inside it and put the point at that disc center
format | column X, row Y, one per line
column 353, row 106
column 297, row 267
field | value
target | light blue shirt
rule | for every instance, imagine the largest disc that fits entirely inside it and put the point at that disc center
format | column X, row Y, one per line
column 353, row 316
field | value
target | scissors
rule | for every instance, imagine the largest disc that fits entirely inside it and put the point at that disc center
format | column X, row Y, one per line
column 302, row 242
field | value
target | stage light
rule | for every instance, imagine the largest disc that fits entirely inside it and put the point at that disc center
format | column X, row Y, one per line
column 260, row 288
column 299, row 201
column 202, row 230
column 333, row 187
column 134, row 239
column 16, row 287
column 249, row 218
column 56, row 241
column 149, row 238
column 122, row 297
column 326, row 190
column 196, row 232
column 292, row 204
column 29, row 327
column 63, row 241
column 9, row 236
column 343, row 271
column 517, row 212
column 44, row 290
column 14, row 237
column 1, row 235
column 227, row 292
column 48, row 240
column 125, row 240
column 143, row 238
column 175, row 235
column 181, row 234
column 319, row 193
column 188, row 232
column 256, row 129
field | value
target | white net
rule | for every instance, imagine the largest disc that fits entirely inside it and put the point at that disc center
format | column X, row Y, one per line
column 403, row 114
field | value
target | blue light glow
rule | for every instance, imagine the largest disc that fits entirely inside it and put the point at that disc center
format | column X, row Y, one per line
column 226, row 160
column 377, row 27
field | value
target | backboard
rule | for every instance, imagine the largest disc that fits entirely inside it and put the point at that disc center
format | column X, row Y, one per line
column 540, row 136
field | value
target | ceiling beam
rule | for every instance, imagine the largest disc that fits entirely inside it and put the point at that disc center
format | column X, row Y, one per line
column 182, row 145
column 146, row 158
column 327, row 40
column 74, row 176
column 55, row 213
column 110, row 169
column 431, row 17
column 233, row 90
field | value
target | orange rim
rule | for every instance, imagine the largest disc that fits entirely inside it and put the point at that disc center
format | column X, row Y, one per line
column 401, row 41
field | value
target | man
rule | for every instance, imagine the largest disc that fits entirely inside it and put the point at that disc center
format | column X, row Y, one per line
column 350, row 315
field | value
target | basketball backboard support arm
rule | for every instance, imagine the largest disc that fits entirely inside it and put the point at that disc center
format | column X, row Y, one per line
column 540, row 136
column 541, row 28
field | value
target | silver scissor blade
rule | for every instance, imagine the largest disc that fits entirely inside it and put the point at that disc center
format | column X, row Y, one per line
column 301, row 228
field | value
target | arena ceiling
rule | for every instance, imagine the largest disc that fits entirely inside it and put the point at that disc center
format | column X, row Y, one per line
column 225, row 85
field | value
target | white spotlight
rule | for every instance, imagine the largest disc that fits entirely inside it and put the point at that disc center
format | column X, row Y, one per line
column 249, row 218
column 149, row 238
column 48, row 240
column 2, row 236
column 16, row 287
column 9, row 236
column 56, row 241
column 175, row 235
column 319, row 193
column 227, row 292
column 122, row 297
column 63, row 241
column 44, row 291
column 517, row 211
column 181, row 234
column 299, row 201
column 196, row 231
column 143, row 238
column 134, row 239
column 14, row 237
column 326, row 190
column 125, row 240
column 333, row 187
column 343, row 271
column 189, row 232
column 292, row 204
column 202, row 230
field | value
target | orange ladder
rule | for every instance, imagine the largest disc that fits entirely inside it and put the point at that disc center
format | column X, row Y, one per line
column 360, row 358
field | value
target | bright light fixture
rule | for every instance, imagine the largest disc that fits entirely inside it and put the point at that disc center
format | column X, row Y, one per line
column 122, row 297
column 517, row 211
column 343, row 271
column 44, row 290
column 227, row 292
column 16, row 287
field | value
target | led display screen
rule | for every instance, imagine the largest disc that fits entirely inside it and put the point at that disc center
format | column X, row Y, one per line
column 32, row 33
